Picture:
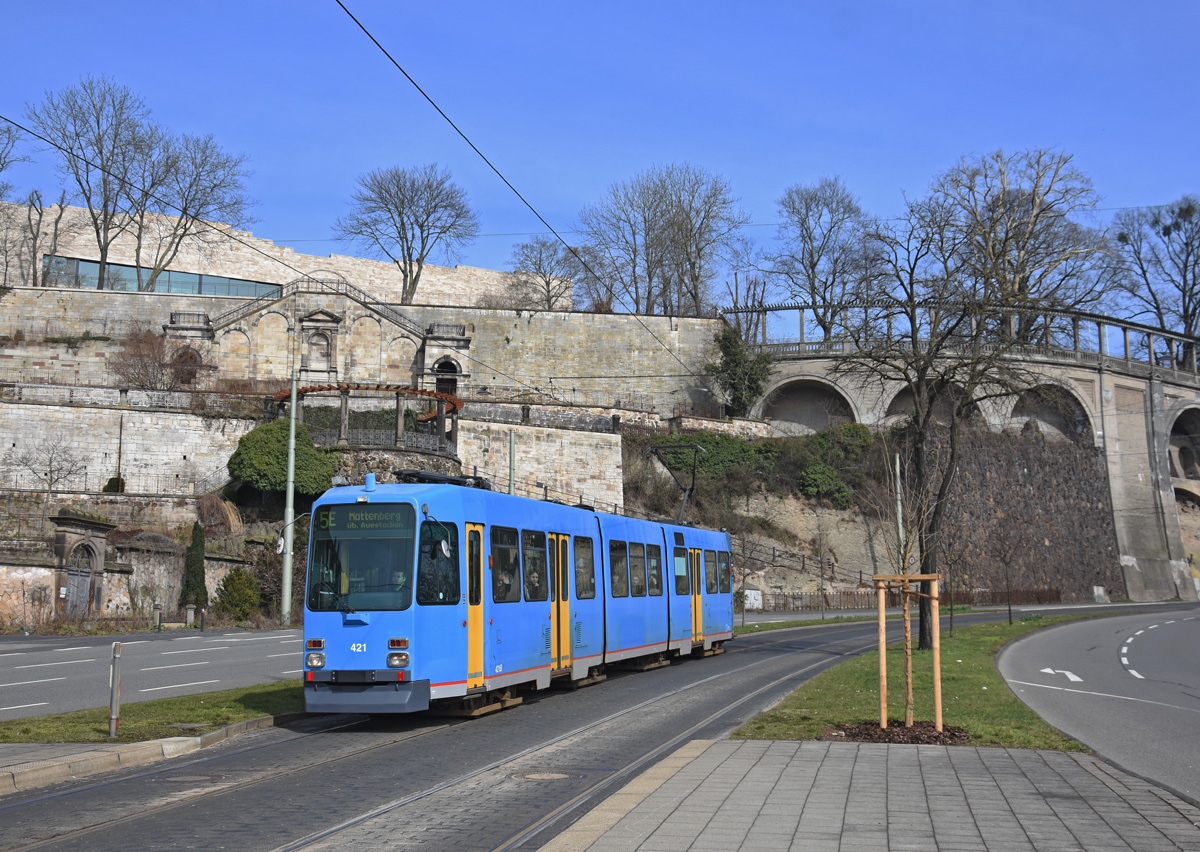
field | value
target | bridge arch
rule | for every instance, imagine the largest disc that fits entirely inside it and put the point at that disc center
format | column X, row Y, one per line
column 803, row 405
column 1055, row 411
column 1183, row 452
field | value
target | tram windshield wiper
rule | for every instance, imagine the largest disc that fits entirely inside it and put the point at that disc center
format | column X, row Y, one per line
column 343, row 604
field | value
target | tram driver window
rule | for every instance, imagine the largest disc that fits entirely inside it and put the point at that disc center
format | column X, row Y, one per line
column 506, row 566
column 437, row 566
column 618, row 569
column 585, row 569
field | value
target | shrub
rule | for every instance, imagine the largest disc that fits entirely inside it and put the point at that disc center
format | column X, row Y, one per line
column 237, row 596
column 260, row 460
column 194, row 590
column 115, row 485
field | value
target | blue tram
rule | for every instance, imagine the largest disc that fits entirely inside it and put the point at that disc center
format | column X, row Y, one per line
column 436, row 592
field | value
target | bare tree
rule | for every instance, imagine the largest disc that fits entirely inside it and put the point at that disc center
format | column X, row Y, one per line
column 149, row 361
column 747, row 296
column 662, row 237
column 1160, row 248
column 8, row 156
column 44, row 225
column 703, row 223
column 625, row 234
column 99, row 129
column 820, row 258
column 544, row 273
column 405, row 214
column 1019, row 218
column 52, row 459
column 182, row 187
column 940, row 321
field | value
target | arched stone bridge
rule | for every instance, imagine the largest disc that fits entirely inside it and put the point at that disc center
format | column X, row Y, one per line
column 1131, row 390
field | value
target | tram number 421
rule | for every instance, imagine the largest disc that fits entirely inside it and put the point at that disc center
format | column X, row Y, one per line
column 358, row 647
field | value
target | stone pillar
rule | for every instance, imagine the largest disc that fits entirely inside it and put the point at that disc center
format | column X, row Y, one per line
column 344, row 423
column 1125, row 334
column 454, row 431
column 1100, row 334
column 401, row 407
column 299, row 408
column 441, row 425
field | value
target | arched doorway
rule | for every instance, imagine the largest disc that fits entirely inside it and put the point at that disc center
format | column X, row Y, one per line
column 447, row 377
column 79, row 581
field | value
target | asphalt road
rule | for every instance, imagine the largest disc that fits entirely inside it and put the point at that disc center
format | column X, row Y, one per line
column 1128, row 687
column 40, row 675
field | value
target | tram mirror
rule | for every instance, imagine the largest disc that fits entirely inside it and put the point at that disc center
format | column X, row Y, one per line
column 445, row 548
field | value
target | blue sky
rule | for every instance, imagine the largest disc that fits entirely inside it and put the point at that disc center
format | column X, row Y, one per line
column 567, row 98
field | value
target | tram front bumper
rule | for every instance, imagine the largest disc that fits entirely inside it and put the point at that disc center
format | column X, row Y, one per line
column 325, row 694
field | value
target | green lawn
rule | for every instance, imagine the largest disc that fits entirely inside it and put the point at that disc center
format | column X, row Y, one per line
column 974, row 697
column 190, row 715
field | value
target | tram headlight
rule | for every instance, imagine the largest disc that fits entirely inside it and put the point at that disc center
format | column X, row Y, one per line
column 314, row 660
column 398, row 660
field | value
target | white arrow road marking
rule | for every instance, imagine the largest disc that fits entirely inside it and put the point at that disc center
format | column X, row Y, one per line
column 1071, row 676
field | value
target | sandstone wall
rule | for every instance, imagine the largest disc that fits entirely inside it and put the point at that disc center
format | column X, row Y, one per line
column 240, row 254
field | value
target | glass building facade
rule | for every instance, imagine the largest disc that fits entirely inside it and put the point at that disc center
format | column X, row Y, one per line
column 72, row 272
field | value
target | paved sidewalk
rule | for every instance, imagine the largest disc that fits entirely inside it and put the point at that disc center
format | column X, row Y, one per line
column 760, row 796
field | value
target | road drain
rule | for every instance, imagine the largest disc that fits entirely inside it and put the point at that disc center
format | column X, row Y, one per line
column 543, row 775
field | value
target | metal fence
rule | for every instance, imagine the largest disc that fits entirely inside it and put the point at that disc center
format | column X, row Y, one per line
column 868, row 599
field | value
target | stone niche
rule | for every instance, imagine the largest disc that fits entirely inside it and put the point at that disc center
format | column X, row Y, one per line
column 80, row 540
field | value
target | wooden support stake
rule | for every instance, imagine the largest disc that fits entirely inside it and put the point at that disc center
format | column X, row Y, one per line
column 937, row 658
column 908, row 683
column 882, row 588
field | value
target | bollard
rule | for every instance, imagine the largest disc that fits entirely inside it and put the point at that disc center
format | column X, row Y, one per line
column 201, row 621
column 160, row 612
column 114, row 690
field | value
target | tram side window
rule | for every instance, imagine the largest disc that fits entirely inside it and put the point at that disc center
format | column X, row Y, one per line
column 637, row 569
column 585, row 569
column 710, row 572
column 533, row 551
column 654, row 569
column 437, row 566
column 506, row 566
column 723, row 572
column 683, row 584
column 618, row 569
column 474, row 568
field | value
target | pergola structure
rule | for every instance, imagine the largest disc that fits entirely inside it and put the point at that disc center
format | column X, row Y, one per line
column 446, row 405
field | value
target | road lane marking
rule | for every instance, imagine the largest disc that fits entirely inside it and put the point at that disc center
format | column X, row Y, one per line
column 247, row 639
column 179, row 686
column 1125, row 649
column 1106, row 695
column 43, row 665
column 1139, row 633
column 13, row 654
column 196, row 650
column 288, row 654
column 76, row 648
column 1071, row 676
column 1135, row 674
column 175, row 666
column 23, row 706
column 1124, row 661
column 293, row 671
column 31, row 682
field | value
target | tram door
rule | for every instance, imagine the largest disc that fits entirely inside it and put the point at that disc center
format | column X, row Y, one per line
column 474, row 605
column 697, row 610
column 560, row 600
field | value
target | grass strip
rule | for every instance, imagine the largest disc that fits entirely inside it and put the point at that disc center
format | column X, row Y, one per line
column 974, row 696
column 186, row 716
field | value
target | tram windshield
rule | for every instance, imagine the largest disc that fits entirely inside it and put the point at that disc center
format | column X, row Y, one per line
column 362, row 557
